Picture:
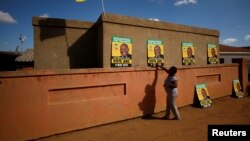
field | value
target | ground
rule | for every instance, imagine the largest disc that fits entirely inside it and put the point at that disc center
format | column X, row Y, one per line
column 192, row 127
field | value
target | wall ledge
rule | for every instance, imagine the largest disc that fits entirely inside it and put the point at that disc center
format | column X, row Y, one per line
column 32, row 73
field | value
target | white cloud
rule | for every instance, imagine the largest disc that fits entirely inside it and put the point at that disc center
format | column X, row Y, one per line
column 185, row 2
column 154, row 19
column 247, row 37
column 46, row 15
column 6, row 18
column 229, row 40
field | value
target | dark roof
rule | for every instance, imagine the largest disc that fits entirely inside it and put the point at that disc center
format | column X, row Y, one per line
column 226, row 48
column 27, row 56
column 9, row 53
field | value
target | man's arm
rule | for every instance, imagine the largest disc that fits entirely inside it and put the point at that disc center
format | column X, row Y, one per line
column 162, row 67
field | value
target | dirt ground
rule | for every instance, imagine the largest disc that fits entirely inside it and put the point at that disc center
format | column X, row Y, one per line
column 192, row 127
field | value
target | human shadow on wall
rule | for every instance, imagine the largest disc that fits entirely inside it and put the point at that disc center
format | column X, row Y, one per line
column 83, row 52
column 147, row 105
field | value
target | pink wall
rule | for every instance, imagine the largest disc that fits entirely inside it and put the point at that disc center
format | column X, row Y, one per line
column 41, row 103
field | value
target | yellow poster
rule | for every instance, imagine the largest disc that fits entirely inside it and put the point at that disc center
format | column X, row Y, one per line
column 121, row 53
column 155, row 52
column 188, row 53
column 203, row 95
column 237, row 88
column 212, row 54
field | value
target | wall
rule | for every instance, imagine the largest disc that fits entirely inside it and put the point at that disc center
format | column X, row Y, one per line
column 7, row 62
column 40, row 103
column 233, row 55
column 62, row 44
column 230, row 55
column 140, row 30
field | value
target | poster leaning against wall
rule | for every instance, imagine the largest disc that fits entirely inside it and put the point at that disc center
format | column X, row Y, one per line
column 237, row 88
column 188, row 53
column 121, row 52
column 203, row 95
column 155, row 53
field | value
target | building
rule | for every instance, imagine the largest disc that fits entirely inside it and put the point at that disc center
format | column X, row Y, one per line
column 80, row 44
column 26, row 60
column 228, row 53
column 7, row 62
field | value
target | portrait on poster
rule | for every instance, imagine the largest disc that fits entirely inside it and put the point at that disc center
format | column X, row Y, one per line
column 212, row 54
column 237, row 88
column 203, row 95
column 121, row 52
column 155, row 53
column 188, row 53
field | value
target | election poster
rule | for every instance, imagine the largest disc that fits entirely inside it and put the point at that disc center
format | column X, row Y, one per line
column 203, row 95
column 237, row 88
column 212, row 54
column 121, row 52
column 188, row 53
column 155, row 53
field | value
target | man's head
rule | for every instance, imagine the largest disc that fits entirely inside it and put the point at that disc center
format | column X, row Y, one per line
column 124, row 50
column 189, row 52
column 172, row 70
column 213, row 52
column 157, row 51
column 204, row 93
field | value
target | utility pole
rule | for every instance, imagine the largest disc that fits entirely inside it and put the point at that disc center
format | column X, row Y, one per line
column 21, row 38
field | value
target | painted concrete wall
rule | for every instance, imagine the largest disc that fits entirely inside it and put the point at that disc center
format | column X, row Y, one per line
column 141, row 30
column 63, row 44
column 45, row 102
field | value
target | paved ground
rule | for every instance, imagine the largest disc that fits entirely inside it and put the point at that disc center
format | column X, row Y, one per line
column 192, row 127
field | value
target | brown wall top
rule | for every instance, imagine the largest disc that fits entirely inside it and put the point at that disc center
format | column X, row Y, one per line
column 54, row 22
column 127, row 20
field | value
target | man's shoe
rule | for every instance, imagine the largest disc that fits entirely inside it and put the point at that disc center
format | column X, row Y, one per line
column 165, row 117
column 176, row 118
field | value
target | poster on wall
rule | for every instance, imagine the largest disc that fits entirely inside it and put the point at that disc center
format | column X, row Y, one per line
column 203, row 95
column 237, row 88
column 155, row 53
column 188, row 56
column 212, row 54
column 121, row 52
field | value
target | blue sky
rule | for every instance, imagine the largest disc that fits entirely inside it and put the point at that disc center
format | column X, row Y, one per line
column 230, row 17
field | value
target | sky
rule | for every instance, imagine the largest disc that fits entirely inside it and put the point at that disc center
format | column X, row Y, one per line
column 230, row 17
